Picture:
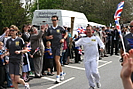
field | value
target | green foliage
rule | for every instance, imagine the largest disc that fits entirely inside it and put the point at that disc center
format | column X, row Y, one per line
column 12, row 13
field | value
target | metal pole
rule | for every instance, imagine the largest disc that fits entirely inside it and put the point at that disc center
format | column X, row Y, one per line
column 37, row 5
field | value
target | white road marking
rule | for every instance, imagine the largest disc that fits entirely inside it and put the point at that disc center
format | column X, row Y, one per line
column 48, row 79
column 103, row 61
column 74, row 67
column 104, row 64
column 79, row 68
column 56, row 85
column 118, row 56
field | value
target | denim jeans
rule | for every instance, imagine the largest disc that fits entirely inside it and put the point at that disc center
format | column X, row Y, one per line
column 9, row 81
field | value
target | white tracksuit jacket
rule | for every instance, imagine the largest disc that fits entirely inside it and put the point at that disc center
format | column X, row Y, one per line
column 90, row 45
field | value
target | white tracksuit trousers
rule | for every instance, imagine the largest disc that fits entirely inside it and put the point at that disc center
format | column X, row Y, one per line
column 91, row 69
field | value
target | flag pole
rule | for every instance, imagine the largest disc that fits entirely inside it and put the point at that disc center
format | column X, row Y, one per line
column 117, row 18
column 123, row 46
column 119, row 30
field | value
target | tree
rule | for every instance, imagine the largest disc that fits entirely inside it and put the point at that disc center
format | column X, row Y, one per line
column 127, row 14
column 13, row 13
column 0, row 14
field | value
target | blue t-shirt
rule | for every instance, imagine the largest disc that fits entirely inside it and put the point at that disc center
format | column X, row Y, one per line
column 46, row 53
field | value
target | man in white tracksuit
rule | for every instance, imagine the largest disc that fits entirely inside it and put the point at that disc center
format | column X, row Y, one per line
column 91, row 56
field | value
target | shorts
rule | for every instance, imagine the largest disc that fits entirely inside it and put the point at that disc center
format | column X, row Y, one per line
column 57, row 51
column 15, row 68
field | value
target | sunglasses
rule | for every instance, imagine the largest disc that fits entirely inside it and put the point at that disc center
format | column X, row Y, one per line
column 12, row 30
column 53, row 19
column 131, row 26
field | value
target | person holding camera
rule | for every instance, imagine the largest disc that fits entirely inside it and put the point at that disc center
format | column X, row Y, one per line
column 37, row 50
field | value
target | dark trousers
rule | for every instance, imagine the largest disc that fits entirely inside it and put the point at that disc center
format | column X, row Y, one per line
column 44, row 65
column 115, row 44
column 77, row 56
column 70, row 53
column 108, row 47
column 49, row 64
column 62, row 61
column 31, row 64
column 65, row 56
column 2, row 75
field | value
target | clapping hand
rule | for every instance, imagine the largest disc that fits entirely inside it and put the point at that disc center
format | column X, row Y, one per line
column 44, row 27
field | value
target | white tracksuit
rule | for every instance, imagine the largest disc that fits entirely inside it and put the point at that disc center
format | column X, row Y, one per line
column 91, row 56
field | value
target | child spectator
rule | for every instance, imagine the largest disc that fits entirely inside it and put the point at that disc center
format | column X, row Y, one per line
column 26, row 64
column 26, row 67
column 49, row 58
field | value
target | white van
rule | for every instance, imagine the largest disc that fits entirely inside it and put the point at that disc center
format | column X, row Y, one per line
column 44, row 17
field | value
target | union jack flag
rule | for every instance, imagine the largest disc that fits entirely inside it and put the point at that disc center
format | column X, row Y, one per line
column 80, row 50
column 36, row 49
column 117, row 16
column 28, row 47
column 119, row 10
column 80, row 30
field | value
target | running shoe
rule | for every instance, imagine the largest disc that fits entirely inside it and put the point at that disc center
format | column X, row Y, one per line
column 98, row 85
column 57, row 80
column 62, row 76
column 91, row 87
column 27, row 86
